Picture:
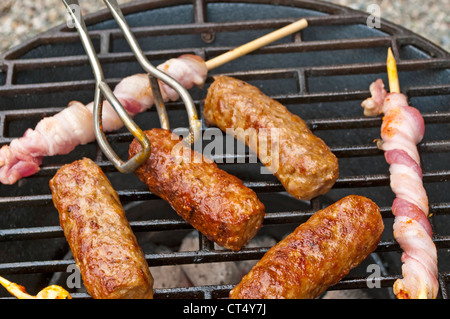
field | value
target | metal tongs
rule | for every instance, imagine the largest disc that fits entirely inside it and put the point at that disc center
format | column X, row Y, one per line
column 102, row 89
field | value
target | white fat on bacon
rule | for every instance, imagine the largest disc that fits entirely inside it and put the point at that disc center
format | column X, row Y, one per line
column 408, row 187
column 61, row 133
column 402, row 129
column 403, row 126
column 373, row 105
column 419, row 261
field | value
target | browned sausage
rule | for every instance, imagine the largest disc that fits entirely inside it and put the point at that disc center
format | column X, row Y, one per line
column 111, row 263
column 301, row 161
column 214, row 202
column 318, row 254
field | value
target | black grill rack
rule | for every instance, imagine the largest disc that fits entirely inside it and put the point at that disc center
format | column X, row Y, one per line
column 322, row 74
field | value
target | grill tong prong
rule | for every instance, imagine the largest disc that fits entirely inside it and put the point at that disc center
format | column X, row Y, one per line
column 154, row 75
column 103, row 90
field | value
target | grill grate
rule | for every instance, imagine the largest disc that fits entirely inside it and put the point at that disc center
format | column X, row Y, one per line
column 321, row 74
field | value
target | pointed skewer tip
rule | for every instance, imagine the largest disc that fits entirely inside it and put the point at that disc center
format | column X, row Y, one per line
column 394, row 85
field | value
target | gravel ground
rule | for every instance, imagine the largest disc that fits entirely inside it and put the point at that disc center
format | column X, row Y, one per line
column 22, row 19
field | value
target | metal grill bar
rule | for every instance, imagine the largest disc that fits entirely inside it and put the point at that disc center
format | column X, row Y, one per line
column 312, row 71
column 182, row 257
column 258, row 187
column 23, row 59
column 32, row 233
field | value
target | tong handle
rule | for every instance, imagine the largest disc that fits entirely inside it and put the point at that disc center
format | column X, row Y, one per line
column 102, row 89
column 154, row 74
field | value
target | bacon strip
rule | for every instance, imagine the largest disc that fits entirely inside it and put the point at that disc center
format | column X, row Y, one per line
column 61, row 133
column 402, row 129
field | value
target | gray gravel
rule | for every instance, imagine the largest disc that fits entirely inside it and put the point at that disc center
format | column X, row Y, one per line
column 429, row 18
column 22, row 19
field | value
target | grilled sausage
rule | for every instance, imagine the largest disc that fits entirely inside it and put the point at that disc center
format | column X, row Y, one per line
column 301, row 161
column 214, row 202
column 317, row 254
column 111, row 263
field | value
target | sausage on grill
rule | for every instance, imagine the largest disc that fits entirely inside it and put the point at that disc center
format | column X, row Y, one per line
column 214, row 202
column 301, row 161
column 317, row 254
column 111, row 263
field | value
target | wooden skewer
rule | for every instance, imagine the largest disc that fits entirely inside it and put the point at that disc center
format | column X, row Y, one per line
column 394, row 85
column 50, row 292
column 256, row 44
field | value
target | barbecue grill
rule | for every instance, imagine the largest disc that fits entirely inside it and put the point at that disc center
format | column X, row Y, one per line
column 321, row 74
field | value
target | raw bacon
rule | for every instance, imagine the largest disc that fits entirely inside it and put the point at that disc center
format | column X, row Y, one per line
column 61, row 133
column 402, row 129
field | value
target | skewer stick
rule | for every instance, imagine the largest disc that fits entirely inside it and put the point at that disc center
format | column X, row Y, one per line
column 256, row 44
column 394, row 85
column 50, row 292
column 15, row 289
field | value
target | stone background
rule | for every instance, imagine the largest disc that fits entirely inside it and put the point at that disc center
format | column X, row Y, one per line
column 22, row 19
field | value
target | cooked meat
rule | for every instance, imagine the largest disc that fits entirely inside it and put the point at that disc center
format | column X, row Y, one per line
column 214, row 202
column 318, row 254
column 111, row 263
column 301, row 161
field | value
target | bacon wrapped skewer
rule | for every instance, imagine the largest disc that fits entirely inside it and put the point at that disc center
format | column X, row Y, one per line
column 61, row 133
column 402, row 129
